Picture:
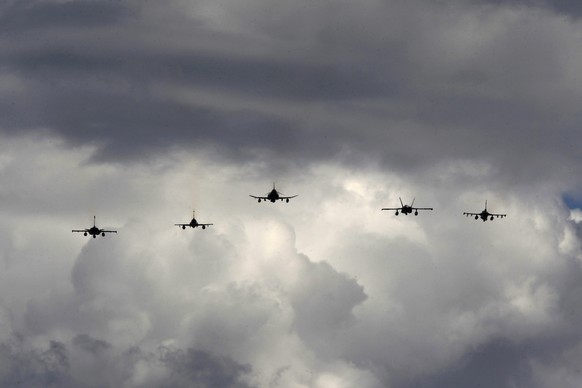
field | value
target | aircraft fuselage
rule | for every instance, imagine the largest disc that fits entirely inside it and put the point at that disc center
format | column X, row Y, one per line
column 406, row 210
column 485, row 215
column 273, row 196
column 193, row 224
column 94, row 231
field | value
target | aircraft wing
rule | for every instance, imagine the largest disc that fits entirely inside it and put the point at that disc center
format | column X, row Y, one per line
column 79, row 230
column 182, row 224
column 293, row 196
column 108, row 231
column 422, row 208
column 205, row 224
column 255, row 197
column 471, row 214
column 391, row 208
column 498, row 215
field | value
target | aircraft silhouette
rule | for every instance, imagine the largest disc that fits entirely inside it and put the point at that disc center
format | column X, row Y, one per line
column 193, row 223
column 93, row 231
column 485, row 214
column 407, row 209
column 273, row 196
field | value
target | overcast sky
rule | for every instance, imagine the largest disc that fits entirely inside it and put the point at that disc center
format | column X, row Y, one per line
column 140, row 111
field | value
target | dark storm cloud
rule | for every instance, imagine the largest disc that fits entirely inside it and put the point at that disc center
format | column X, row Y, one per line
column 501, row 363
column 57, row 365
column 25, row 367
column 105, row 99
column 496, row 364
column 27, row 15
column 265, row 77
column 124, row 83
column 204, row 369
column 89, row 344
column 133, row 127
column 114, row 75
column 571, row 8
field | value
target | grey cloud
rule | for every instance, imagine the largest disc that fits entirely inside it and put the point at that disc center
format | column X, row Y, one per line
column 25, row 367
column 89, row 344
column 419, row 87
column 452, row 104
column 19, row 16
column 204, row 370
column 114, row 122
column 401, row 301
column 567, row 7
column 438, row 281
column 57, row 365
column 268, row 77
column 561, row 369
column 201, row 297
column 543, row 362
column 130, row 121
column 496, row 364
column 570, row 8
column 324, row 304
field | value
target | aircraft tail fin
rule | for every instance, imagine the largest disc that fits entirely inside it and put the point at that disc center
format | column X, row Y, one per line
column 412, row 204
column 401, row 201
column 266, row 194
column 94, row 220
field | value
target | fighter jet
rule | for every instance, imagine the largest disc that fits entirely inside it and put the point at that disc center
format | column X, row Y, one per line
column 273, row 196
column 93, row 231
column 485, row 214
column 193, row 223
column 407, row 209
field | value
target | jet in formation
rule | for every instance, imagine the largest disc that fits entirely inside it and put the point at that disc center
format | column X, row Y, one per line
column 407, row 209
column 93, row 231
column 193, row 223
column 273, row 196
column 484, row 215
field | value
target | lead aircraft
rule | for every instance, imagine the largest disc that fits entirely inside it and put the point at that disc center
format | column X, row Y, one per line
column 193, row 223
column 485, row 214
column 273, row 196
column 407, row 209
column 93, row 231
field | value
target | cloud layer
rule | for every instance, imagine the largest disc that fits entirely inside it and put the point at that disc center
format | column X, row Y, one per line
column 466, row 80
column 137, row 112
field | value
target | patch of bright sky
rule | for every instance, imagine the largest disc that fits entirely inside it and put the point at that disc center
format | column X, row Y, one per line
column 573, row 200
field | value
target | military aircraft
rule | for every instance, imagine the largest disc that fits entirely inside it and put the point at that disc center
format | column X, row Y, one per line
column 407, row 209
column 485, row 214
column 273, row 196
column 93, row 231
column 193, row 223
